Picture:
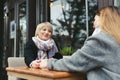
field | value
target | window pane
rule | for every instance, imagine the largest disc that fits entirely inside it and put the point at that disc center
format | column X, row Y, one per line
column 22, row 28
column 69, row 20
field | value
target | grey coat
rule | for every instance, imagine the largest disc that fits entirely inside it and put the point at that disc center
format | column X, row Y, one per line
column 99, row 58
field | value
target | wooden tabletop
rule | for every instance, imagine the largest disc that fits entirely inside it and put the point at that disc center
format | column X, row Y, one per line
column 44, row 73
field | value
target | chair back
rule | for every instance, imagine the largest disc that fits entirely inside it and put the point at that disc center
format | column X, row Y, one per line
column 15, row 62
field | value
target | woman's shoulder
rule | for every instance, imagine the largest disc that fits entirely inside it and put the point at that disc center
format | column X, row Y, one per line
column 102, row 38
column 101, row 35
column 30, row 43
column 105, row 36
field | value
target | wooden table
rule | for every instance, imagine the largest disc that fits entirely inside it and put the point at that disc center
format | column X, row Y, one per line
column 38, row 74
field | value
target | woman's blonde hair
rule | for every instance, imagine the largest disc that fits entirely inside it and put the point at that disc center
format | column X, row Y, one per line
column 41, row 25
column 110, row 21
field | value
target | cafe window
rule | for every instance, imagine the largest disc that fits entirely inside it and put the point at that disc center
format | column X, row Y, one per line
column 117, row 3
column 22, row 28
column 72, row 22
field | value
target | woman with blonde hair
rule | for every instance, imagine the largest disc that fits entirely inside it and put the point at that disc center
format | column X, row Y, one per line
column 99, row 57
column 42, row 46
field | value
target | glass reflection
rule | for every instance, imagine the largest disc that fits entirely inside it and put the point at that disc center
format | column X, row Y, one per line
column 69, row 21
column 22, row 28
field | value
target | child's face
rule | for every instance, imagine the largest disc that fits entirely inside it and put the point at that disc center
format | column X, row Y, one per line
column 45, row 33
